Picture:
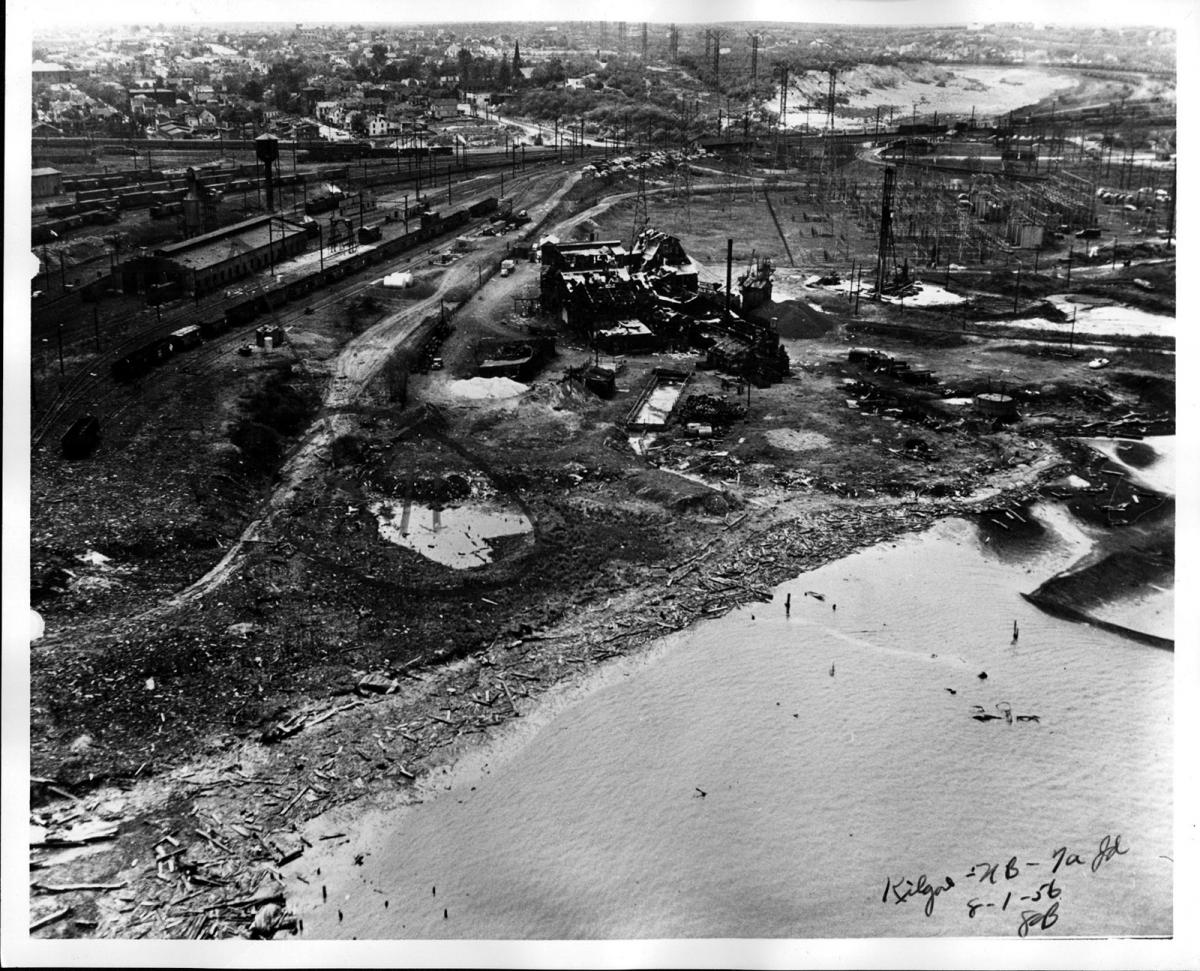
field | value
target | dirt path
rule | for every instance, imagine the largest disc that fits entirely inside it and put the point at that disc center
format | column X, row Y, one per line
column 353, row 370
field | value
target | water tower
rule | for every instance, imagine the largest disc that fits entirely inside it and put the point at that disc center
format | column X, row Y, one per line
column 266, row 150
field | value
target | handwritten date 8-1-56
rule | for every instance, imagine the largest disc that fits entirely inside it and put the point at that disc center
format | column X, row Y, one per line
column 1007, row 877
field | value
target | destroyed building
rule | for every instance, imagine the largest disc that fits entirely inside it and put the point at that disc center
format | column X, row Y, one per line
column 650, row 297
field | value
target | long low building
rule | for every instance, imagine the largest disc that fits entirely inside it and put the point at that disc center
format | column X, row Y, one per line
column 206, row 263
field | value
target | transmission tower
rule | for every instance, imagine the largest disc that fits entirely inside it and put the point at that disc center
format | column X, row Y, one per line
column 715, row 37
column 621, row 36
column 887, row 244
column 673, row 43
column 753, row 56
column 784, row 70
column 640, row 214
column 833, row 73
column 645, row 41
column 687, row 193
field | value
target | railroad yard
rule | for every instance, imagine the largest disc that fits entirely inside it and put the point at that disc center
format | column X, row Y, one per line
column 326, row 539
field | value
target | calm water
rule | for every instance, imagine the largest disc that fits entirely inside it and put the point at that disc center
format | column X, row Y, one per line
column 456, row 536
column 832, row 757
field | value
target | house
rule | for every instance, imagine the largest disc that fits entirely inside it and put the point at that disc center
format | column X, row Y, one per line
column 141, row 104
column 378, row 126
column 443, row 107
column 331, row 112
column 46, row 73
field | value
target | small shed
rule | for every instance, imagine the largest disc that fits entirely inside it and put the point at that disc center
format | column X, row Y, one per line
column 46, row 182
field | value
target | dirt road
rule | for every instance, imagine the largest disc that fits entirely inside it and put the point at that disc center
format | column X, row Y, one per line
column 353, row 370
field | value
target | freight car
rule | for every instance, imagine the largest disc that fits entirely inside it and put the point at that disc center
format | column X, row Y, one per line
column 135, row 199
column 81, row 438
column 184, row 339
column 139, row 362
column 483, row 207
column 164, row 210
column 48, row 232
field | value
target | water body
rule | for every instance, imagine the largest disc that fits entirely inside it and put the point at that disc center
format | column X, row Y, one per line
column 456, row 536
column 835, row 762
column 1150, row 608
column 981, row 90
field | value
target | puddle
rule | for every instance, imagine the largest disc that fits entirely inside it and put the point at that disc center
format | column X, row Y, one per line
column 454, row 536
column 658, row 407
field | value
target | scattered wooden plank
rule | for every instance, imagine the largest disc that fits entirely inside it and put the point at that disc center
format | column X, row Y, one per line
column 333, row 711
column 295, row 799
column 68, row 887
column 50, row 919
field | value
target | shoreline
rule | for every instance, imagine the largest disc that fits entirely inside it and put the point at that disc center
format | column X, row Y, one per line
column 423, row 724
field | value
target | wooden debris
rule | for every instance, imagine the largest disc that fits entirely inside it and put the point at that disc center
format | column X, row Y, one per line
column 333, row 711
column 295, row 799
column 51, row 918
column 204, row 834
column 287, row 847
column 68, row 887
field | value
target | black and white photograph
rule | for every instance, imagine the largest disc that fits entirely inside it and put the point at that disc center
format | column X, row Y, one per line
column 599, row 484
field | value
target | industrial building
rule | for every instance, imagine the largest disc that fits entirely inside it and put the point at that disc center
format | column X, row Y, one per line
column 206, row 263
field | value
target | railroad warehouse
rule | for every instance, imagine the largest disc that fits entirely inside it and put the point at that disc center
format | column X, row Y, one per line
column 206, row 263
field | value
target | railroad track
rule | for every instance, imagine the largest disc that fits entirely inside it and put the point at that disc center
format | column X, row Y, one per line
column 93, row 383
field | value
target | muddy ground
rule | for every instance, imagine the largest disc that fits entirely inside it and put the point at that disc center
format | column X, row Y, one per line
column 332, row 661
